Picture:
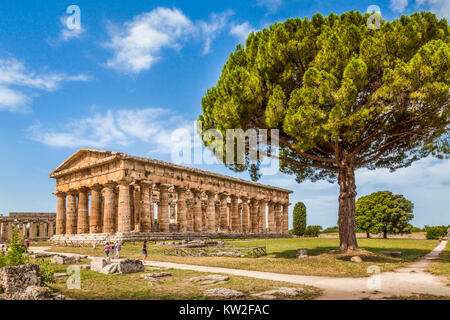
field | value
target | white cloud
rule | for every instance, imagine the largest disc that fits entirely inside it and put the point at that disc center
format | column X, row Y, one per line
column 241, row 31
column 139, row 43
column 120, row 127
column 440, row 7
column 210, row 30
column 271, row 6
column 398, row 5
column 13, row 74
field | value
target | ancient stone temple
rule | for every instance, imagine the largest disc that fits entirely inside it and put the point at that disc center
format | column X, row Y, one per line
column 32, row 225
column 111, row 195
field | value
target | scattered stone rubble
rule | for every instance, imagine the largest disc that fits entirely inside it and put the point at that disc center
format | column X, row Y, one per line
column 23, row 283
column 210, row 279
column 302, row 253
column 223, row 293
column 60, row 259
column 356, row 259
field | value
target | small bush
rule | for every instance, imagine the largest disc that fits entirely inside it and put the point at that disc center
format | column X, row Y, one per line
column 433, row 233
column 47, row 274
column 16, row 249
column 416, row 229
column 313, row 231
column 331, row 230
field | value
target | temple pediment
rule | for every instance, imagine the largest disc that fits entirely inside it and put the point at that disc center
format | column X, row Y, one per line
column 83, row 157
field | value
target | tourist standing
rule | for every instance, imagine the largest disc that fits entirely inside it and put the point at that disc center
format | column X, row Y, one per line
column 112, row 250
column 107, row 248
column 144, row 251
column 117, row 248
column 27, row 244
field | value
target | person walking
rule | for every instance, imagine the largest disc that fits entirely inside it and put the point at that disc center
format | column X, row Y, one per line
column 144, row 251
column 107, row 248
column 112, row 250
column 117, row 247
column 27, row 244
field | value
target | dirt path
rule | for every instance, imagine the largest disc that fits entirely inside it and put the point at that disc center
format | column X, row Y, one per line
column 410, row 280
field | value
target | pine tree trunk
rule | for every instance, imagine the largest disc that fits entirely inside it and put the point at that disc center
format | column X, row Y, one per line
column 347, row 233
column 368, row 235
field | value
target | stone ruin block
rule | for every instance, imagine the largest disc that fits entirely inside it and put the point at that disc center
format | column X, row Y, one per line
column 16, row 279
column 60, row 259
column 98, row 264
column 302, row 253
column 130, row 266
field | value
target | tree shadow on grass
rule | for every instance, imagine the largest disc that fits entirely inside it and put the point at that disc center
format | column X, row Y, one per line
column 367, row 254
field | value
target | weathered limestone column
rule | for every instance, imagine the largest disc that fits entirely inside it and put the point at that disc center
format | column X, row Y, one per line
column 71, row 222
column 136, row 226
column 42, row 229
column 181, row 208
column 109, row 208
column 285, row 222
column 163, row 208
column 4, row 231
column 234, row 210
column 211, row 212
column 173, row 211
column 197, row 210
column 146, row 219
column 189, row 216
column 254, row 215
column 95, row 220
column 33, row 230
column 223, row 224
column 124, row 209
column 60, row 213
column 132, row 207
column 262, row 216
column 277, row 218
column 51, row 230
column 271, row 217
column 245, row 215
column 83, row 212
column 217, row 216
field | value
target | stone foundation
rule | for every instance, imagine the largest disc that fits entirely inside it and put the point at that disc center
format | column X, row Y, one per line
column 102, row 238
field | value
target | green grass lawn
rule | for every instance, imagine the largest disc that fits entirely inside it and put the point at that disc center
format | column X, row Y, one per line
column 281, row 255
column 98, row 286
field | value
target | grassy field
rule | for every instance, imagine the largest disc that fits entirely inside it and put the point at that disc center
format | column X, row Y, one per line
column 98, row 286
column 442, row 265
column 281, row 258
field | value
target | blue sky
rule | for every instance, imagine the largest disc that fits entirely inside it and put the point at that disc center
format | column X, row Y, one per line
column 137, row 70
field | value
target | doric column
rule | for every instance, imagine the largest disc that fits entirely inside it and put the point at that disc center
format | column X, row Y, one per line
column 234, row 210
column 285, row 219
column 163, row 208
column 211, row 212
column 197, row 209
column 83, row 212
column 131, row 192
column 60, row 213
column 271, row 217
column 181, row 209
column 262, row 216
column 51, row 230
column 124, row 209
column 254, row 215
column 3, row 231
column 33, row 230
column 277, row 218
column 189, row 216
column 42, row 229
column 136, row 226
column 245, row 216
column 145, row 207
column 223, row 219
column 71, row 221
column 109, row 208
column 95, row 220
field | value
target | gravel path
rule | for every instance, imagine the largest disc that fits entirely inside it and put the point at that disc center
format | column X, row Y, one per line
column 410, row 280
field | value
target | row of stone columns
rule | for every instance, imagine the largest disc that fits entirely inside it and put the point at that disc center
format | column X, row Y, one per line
column 45, row 230
column 124, row 207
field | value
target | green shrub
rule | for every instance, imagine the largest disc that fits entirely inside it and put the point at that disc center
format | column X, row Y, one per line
column 299, row 219
column 47, row 274
column 2, row 260
column 433, row 233
column 416, row 229
column 16, row 249
column 331, row 230
column 313, row 231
